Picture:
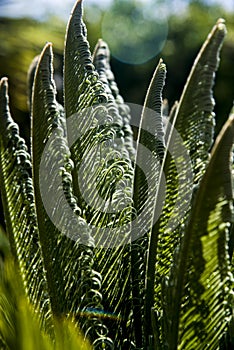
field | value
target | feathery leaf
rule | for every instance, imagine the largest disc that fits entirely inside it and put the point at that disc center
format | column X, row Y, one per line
column 188, row 144
column 199, row 288
column 19, row 210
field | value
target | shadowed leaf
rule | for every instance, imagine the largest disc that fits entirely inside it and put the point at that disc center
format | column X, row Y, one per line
column 199, row 288
column 66, row 249
column 189, row 140
column 19, row 210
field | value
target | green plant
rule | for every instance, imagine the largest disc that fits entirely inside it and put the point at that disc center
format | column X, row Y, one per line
column 134, row 260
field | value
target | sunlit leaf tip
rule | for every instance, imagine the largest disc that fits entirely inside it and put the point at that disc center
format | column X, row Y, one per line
column 30, row 80
column 153, row 98
column 221, row 24
column 4, row 82
column 4, row 99
column 44, row 61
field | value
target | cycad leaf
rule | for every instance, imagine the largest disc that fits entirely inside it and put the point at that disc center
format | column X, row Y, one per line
column 82, row 90
column 19, row 210
column 96, row 138
column 30, row 80
column 152, row 122
column 44, row 111
column 102, row 164
column 117, row 262
column 113, row 263
column 65, row 235
column 101, row 60
column 150, row 137
column 91, row 107
column 194, row 119
column 81, row 85
column 188, row 144
column 170, row 121
column 198, row 292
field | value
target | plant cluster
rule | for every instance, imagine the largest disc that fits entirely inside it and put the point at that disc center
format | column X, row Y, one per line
column 117, row 243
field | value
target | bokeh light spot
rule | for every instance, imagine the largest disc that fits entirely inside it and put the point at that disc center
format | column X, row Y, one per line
column 135, row 31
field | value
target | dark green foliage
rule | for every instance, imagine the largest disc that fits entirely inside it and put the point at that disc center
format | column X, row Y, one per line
column 135, row 260
column 19, row 209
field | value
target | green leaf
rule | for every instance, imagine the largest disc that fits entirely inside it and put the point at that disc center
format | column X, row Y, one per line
column 82, row 90
column 101, row 60
column 74, row 285
column 81, row 86
column 19, row 327
column 45, row 113
column 19, row 210
column 189, row 139
column 195, row 118
column 102, row 164
column 116, row 267
column 151, row 136
column 199, row 291
column 30, row 80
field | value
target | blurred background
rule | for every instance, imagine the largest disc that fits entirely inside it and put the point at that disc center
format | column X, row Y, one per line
column 138, row 32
